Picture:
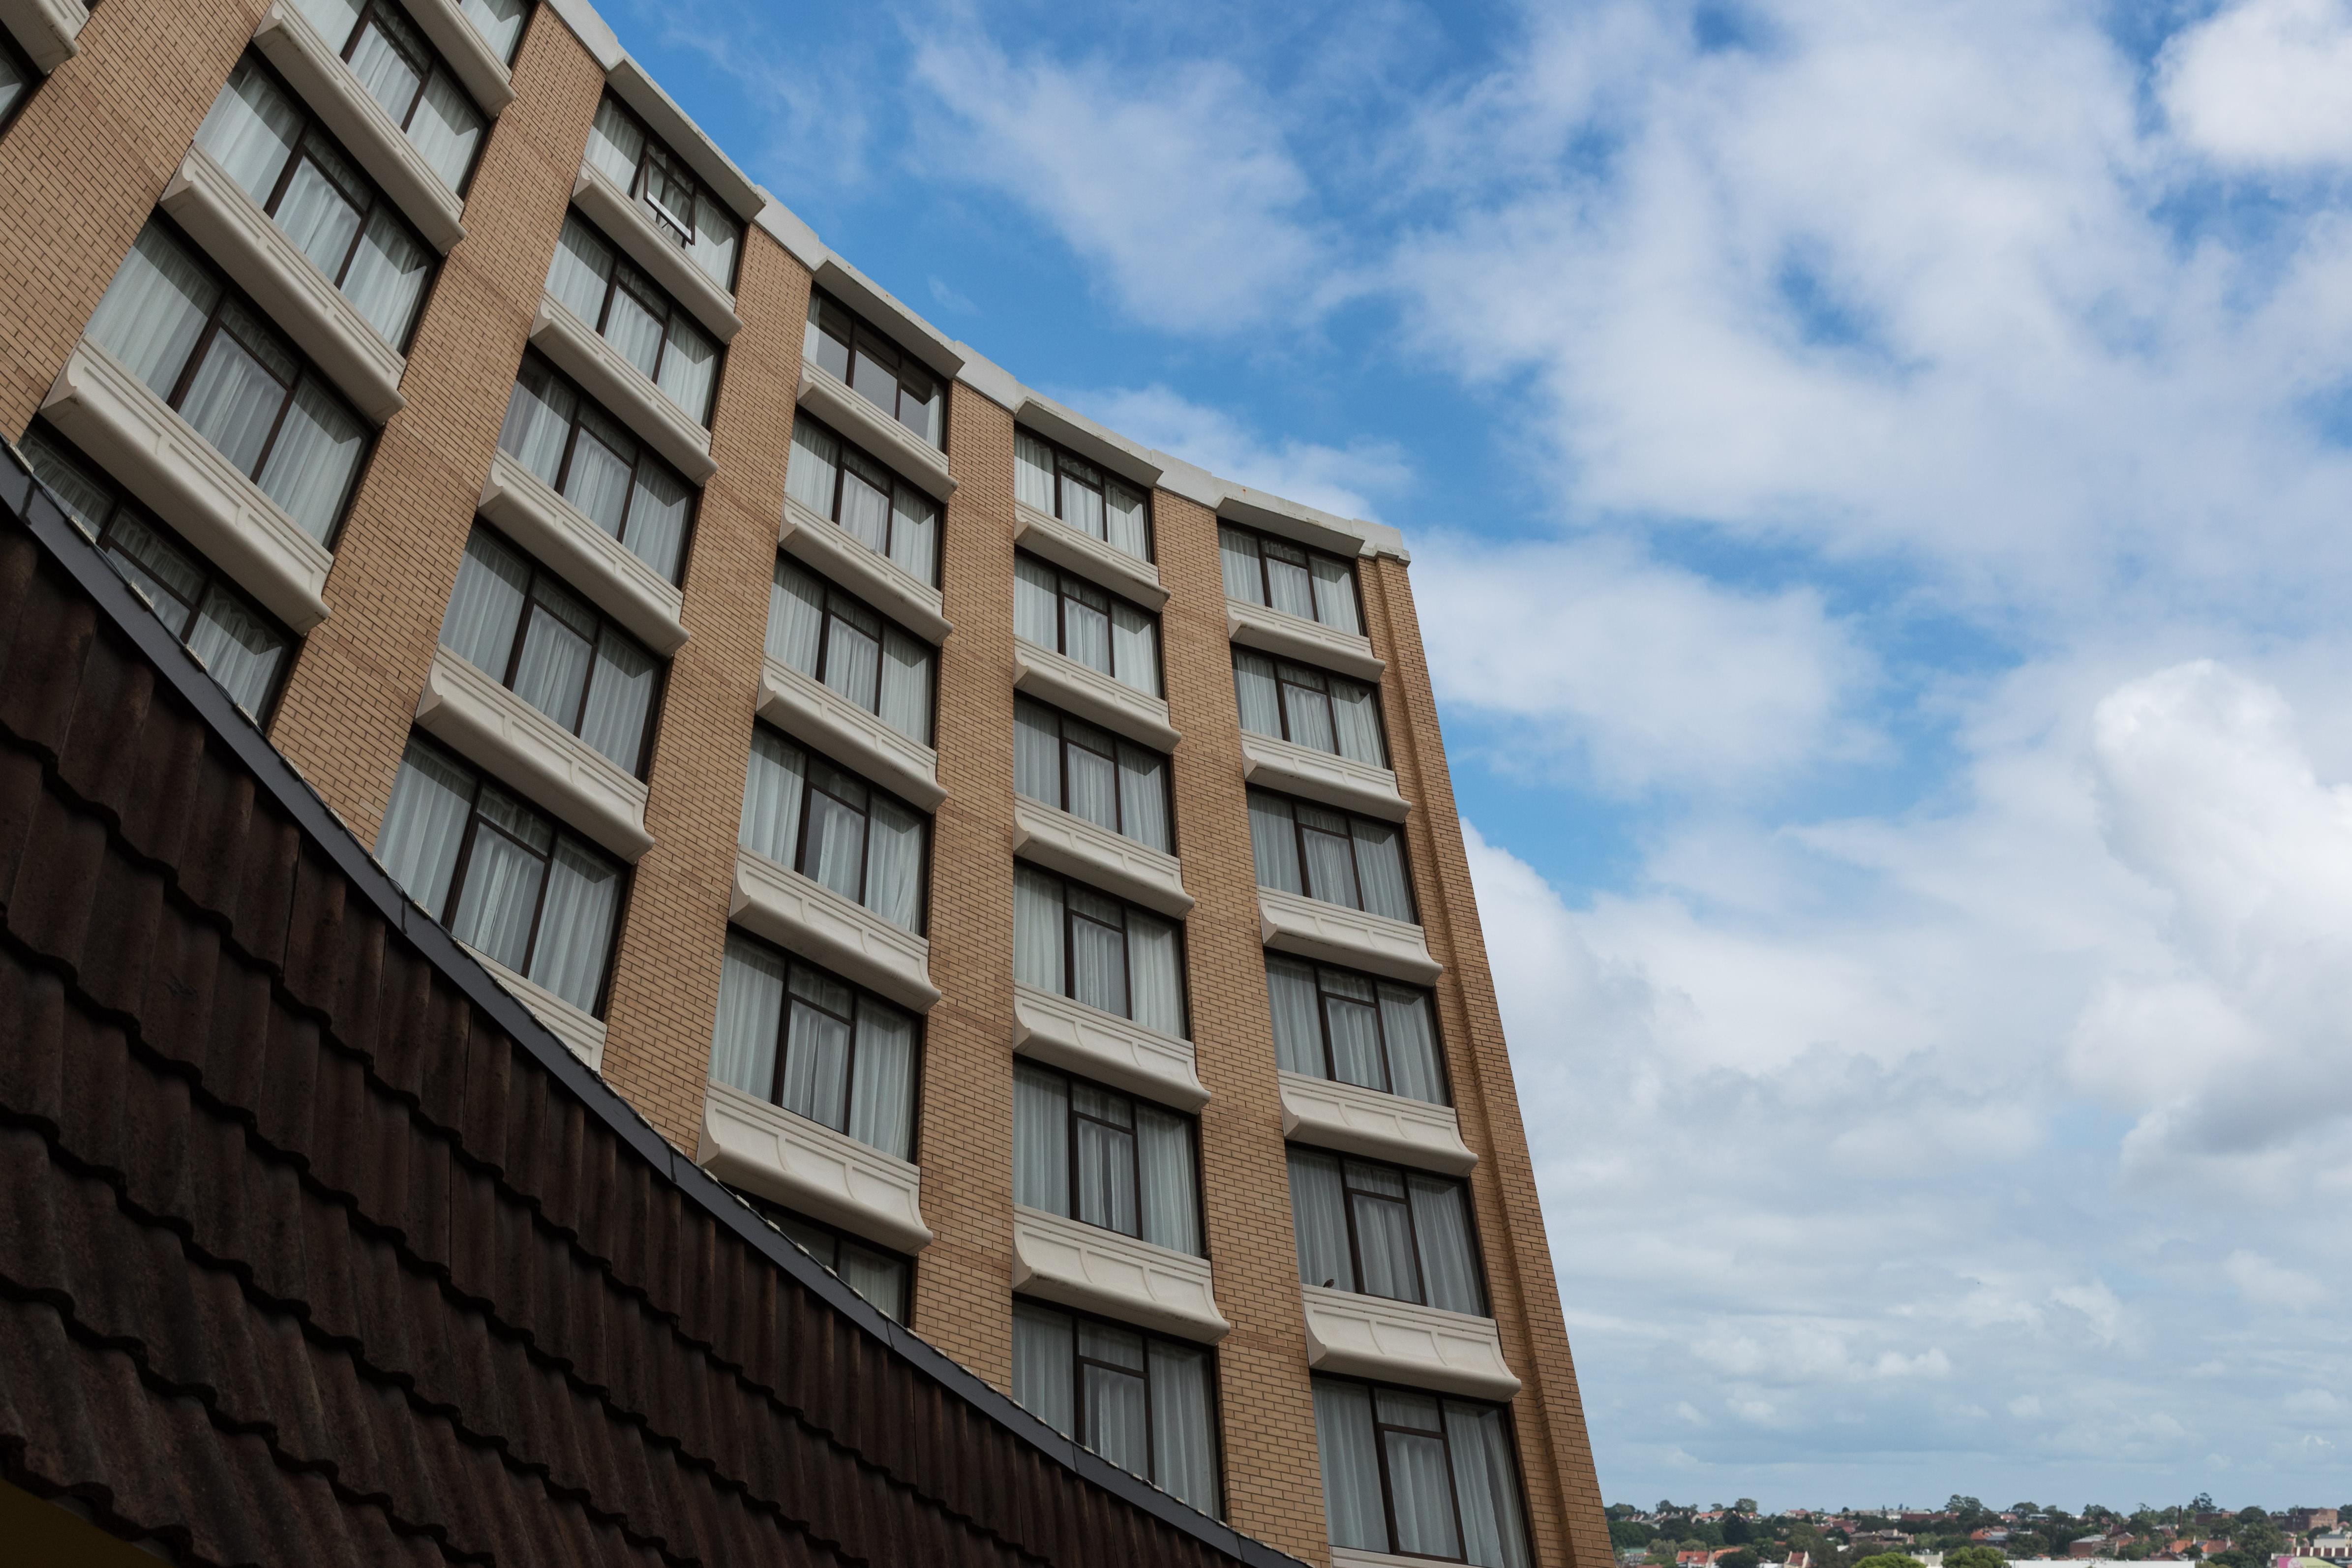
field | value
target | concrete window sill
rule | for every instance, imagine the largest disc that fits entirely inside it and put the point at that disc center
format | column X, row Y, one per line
column 1368, row 1122
column 1064, row 1033
column 1090, row 694
column 624, row 389
column 590, row 559
column 1097, row 1270
column 807, row 709
column 827, row 928
column 820, row 543
column 1312, row 929
column 827, row 1175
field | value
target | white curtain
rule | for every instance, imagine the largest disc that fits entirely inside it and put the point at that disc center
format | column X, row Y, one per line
column 751, row 1011
column 915, row 534
column 575, row 928
column 1093, row 777
column 657, row 533
column 240, row 650
column 1329, row 854
column 1414, row 1068
column 1380, row 863
column 796, row 617
column 865, row 502
column 616, row 145
column 1288, row 587
column 1098, row 950
column 1171, row 1187
column 632, row 328
column 446, row 129
column 881, row 1280
column 1135, row 647
column 1419, row 1489
column 853, row 656
column 1143, row 796
column 1157, row 977
column 1297, row 1026
column 690, row 369
column 882, row 1094
column 1086, row 625
column 1351, row 1468
column 1356, row 715
column 235, row 397
column 1044, row 1365
column 1318, row 1221
column 717, row 238
column 816, row 1048
column 773, row 781
column 1335, row 596
column 1306, row 708
column 538, row 421
column 1032, row 472
column 1037, row 930
column 250, row 129
column 170, row 579
column 316, row 212
column 1036, row 613
column 1036, row 752
column 1449, row 1263
column 1384, row 1232
column 385, row 281
column 500, row 22
column 552, row 672
column 894, row 864
column 424, row 825
column 834, row 853
column 1274, row 845
column 1354, row 1025
column 486, row 606
column 1102, row 1138
column 1259, row 696
column 1117, row 1423
column 1041, row 1139
column 905, row 704
column 581, row 270
column 154, row 307
column 505, row 875
column 390, row 73
column 604, row 461
column 1494, row 1534
column 1130, row 524
column 316, row 457
column 86, row 500
column 1184, row 1448
column 809, row 474
column 620, row 699
column 1237, row 558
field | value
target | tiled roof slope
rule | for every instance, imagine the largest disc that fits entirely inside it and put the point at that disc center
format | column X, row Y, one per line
column 314, row 1247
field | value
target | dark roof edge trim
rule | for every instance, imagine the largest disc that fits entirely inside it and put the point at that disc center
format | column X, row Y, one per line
column 30, row 502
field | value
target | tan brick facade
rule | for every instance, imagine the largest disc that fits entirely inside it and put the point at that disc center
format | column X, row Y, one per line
column 112, row 125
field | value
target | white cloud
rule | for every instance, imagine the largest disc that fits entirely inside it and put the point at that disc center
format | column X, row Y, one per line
column 2267, row 1284
column 1340, row 480
column 2263, row 82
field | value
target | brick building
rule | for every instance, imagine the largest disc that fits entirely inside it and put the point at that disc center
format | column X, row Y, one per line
column 1021, row 866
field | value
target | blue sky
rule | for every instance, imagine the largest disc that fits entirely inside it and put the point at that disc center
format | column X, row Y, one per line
column 1879, row 484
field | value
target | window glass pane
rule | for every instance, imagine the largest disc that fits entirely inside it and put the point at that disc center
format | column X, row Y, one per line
column 1035, row 609
column 240, row 650
column 170, row 579
column 1318, row 1221
column 15, row 81
column 1274, row 847
column 1117, row 1411
column 1036, row 752
column 1384, row 1243
column 717, row 238
column 1032, row 472
column 1485, row 1483
column 881, row 1279
column 385, row 280
column 424, row 826
column 1136, row 653
column 828, row 335
column 750, row 1011
column 882, row 1100
column 250, row 129
column 1157, row 976
column 634, row 328
column 817, row 1050
column 918, row 402
column 499, row 21
column 1037, row 930
column 318, row 212
column 604, row 460
column 236, row 398
column 772, row 782
column 1352, row 1510
column 915, row 534
column 1130, row 524
column 657, row 531
column 1289, row 587
column 796, row 617
column 1044, row 1367
column 811, row 474
column 1421, row 1492
column 1143, row 797
column 575, row 928
column 1329, row 856
column 853, row 658
column 1106, row 1173
column 1355, row 1028
column 1335, row 594
column 620, row 699
column 1413, row 1045
column 503, row 879
column 1379, row 859
column 486, row 606
column 874, row 374
column 1356, row 713
column 616, row 145
column 1082, row 500
column 1237, row 556
column 446, row 129
column 836, row 850
column 390, row 73
column 1097, row 950
column 557, row 634
column 1308, row 712
column 1086, row 625
column 1171, row 1188
column 1449, row 1266
column 1094, row 782
column 1184, row 1447
column 1041, row 1139
column 153, row 309
column 538, row 421
column 894, row 864
column 907, row 686
column 1297, row 1026
column 86, row 500
column 1260, row 699
column 865, row 502
column 314, row 458
column 581, row 270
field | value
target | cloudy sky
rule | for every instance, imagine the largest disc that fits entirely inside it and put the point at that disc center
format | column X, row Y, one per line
column 1880, row 479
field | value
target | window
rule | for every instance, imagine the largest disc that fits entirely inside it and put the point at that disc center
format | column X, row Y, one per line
column 896, row 382
column 1419, row 1475
column 500, row 22
column 514, row 621
column 1311, row 583
column 796, row 1037
column 1380, row 1230
column 1074, row 942
column 172, row 322
column 882, row 1278
column 1104, row 1158
column 1064, row 486
column 242, row 647
column 1302, row 848
column 401, row 71
column 1073, row 766
column 1145, row 1404
column 293, row 170
column 1328, row 713
column 1339, row 1025
column 502, row 877
column 832, row 826
column 632, row 313
column 1078, row 620
column 677, row 200
column 17, row 79
column 873, row 505
column 825, row 634
column 588, row 459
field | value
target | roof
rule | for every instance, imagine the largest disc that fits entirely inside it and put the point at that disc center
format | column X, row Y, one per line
column 315, row 1246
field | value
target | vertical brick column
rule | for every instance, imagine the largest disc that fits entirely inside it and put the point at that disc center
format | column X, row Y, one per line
column 1274, row 1485
column 963, row 1283
column 1556, row 1455
column 347, row 708
column 81, row 167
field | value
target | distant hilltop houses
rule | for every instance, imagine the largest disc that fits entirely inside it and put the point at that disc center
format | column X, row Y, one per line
column 1965, row 1533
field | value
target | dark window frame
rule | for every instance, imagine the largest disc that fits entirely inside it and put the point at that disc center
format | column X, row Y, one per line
column 1388, row 1068
column 1284, row 685
column 1261, row 538
column 865, row 847
column 1355, row 848
column 778, row 1214
column 674, row 170
column 1380, row 1429
column 1079, row 1362
column 861, row 329
column 1062, row 455
column 1134, row 1148
column 121, row 502
column 860, row 996
column 1406, row 1175
column 1127, row 907
column 897, row 481
column 435, row 64
column 312, row 126
column 1062, row 745
column 648, row 292
column 645, row 454
column 604, row 622
column 35, row 78
column 464, row 861
column 1063, row 581
column 825, row 645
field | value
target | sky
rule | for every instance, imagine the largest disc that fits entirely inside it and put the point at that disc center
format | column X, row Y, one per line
column 1879, row 478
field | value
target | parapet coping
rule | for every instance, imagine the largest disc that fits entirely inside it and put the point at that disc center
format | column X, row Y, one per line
column 948, row 356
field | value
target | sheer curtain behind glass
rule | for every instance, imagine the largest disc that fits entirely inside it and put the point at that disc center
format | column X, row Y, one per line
column 424, row 826
column 1351, row 1468
column 1319, row 1219
column 751, row 1011
column 1485, row 1482
column 575, row 927
column 1044, row 1367
column 1171, row 1213
column 1421, row 1487
column 1041, row 1139
column 1181, row 1439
